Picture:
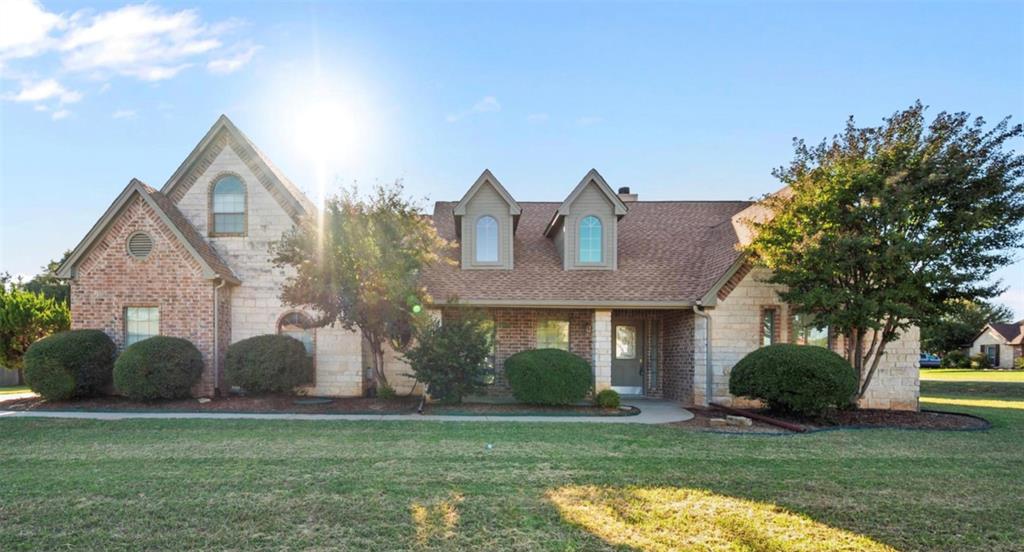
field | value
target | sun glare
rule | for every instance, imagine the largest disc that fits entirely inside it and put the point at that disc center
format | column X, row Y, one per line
column 326, row 131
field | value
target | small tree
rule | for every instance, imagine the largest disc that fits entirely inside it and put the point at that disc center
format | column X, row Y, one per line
column 451, row 358
column 359, row 267
column 48, row 284
column 884, row 228
column 26, row 317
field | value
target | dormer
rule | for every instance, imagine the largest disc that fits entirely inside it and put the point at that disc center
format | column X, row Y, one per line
column 585, row 226
column 485, row 220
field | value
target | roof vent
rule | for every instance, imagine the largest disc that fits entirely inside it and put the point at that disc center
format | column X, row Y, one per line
column 139, row 245
column 625, row 196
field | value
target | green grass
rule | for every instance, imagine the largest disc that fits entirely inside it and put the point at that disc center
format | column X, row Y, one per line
column 14, row 390
column 187, row 484
column 962, row 374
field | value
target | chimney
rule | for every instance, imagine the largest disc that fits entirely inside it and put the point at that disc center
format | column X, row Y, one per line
column 625, row 196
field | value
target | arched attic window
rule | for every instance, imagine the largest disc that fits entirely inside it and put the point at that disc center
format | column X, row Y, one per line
column 486, row 239
column 227, row 206
column 590, row 240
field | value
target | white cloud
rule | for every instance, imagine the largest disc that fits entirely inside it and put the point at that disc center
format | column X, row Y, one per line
column 124, row 114
column 60, row 114
column 589, row 120
column 25, row 28
column 537, row 118
column 487, row 104
column 232, row 63
column 142, row 41
column 48, row 89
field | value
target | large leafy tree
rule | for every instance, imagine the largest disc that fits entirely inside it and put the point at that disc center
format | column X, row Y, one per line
column 955, row 330
column 47, row 283
column 884, row 228
column 26, row 317
column 359, row 266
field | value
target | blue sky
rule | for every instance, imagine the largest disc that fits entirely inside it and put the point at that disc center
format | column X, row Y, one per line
column 677, row 100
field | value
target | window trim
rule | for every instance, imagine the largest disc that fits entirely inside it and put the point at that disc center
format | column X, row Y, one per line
column 277, row 327
column 601, row 261
column 476, row 241
column 212, row 228
column 124, row 316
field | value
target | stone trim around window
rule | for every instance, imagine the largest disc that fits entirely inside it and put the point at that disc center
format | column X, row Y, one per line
column 211, row 229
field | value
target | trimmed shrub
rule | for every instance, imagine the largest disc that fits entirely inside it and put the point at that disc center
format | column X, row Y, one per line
column 159, row 367
column 548, row 376
column 451, row 359
column 979, row 361
column 956, row 359
column 267, row 363
column 609, row 398
column 802, row 379
column 1019, row 363
column 76, row 363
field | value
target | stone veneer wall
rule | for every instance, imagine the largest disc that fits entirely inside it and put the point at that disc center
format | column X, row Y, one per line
column 255, row 305
column 108, row 280
column 736, row 331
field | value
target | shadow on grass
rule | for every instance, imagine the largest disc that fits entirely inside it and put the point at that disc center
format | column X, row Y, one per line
column 670, row 518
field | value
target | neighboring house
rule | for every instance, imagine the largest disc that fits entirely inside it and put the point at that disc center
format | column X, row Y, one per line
column 653, row 293
column 1002, row 343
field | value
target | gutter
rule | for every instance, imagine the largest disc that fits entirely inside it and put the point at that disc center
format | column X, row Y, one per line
column 216, row 337
column 709, row 374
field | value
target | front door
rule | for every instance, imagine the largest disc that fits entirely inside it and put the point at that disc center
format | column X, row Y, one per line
column 628, row 358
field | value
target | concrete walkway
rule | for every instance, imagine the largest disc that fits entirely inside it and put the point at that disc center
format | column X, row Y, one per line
column 651, row 412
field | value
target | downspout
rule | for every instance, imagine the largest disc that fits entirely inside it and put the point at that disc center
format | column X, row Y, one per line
column 709, row 374
column 216, row 337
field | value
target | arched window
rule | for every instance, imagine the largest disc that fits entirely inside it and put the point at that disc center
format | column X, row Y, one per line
column 228, row 206
column 486, row 240
column 590, row 240
column 299, row 326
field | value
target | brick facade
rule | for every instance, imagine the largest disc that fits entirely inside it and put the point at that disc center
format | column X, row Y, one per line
column 677, row 354
column 108, row 280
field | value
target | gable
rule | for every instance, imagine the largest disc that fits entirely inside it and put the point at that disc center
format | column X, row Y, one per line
column 487, row 183
column 225, row 135
column 134, row 197
column 592, row 181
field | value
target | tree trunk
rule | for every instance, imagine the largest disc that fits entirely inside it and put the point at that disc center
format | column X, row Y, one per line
column 377, row 350
column 874, row 355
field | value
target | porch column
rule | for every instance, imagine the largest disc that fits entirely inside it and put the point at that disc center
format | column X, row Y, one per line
column 700, row 352
column 602, row 349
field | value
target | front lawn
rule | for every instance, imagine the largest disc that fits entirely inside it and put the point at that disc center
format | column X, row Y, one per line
column 965, row 374
column 178, row 484
column 17, row 390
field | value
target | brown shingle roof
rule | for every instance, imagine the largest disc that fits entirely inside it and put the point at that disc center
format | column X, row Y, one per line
column 191, row 235
column 1011, row 332
column 669, row 252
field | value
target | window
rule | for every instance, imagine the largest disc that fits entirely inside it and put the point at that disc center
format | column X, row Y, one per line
column 300, row 327
column 486, row 240
column 140, row 323
column 808, row 333
column 228, row 206
column 488, row 375
column 992, row 353
column 768, row 326
column 553, row 334
column 590, row 240
column 625, row 342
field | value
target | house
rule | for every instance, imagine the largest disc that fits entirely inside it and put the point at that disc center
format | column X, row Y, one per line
column 1002, row 343
column 655, row 294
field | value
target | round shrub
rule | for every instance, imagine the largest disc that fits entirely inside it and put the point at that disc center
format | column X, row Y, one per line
column 267, row 363
column 802, row 379
column 76, row 363
column 548, row 376
column 955, row 359
column 609, row 398
column 979, row 361
column 159, row 367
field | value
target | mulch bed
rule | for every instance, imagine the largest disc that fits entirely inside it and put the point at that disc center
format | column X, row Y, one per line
column 487, row 409
column 260, row 404
column 884, row 419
